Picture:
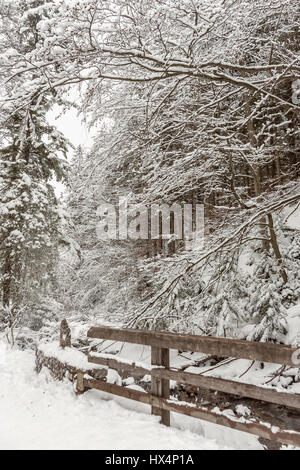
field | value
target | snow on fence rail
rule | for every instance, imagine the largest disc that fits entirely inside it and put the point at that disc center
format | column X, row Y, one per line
column 161, row 374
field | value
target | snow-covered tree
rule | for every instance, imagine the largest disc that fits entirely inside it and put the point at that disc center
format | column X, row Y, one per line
column 202, row 105
column 32, row 154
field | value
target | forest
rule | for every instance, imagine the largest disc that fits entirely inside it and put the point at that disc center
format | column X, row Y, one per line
column 190, row 102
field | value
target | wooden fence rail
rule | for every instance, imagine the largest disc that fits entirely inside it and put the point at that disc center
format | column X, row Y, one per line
column 161, row 374
column 265, row 352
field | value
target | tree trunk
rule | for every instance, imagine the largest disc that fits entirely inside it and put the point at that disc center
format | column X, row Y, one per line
column 275, row 247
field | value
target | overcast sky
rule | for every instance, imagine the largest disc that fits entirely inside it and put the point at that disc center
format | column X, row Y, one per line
column 71, row 126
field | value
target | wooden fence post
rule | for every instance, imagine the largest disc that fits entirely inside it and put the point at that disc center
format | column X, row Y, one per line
column 65, row 334
column 80, row 384
column 160, row 387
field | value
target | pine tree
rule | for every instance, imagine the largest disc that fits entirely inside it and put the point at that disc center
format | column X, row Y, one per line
column 32, row 153
column 264, row 307
column 29, row 211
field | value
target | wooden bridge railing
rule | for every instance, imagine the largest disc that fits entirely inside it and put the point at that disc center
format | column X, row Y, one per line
column 161, row 373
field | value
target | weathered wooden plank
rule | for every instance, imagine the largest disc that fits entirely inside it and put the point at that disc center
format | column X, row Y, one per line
column 155, row 383
column 263, row 430
column 269, row 395
column 165, row 385
column 118, row 390
column 223, row 347
column 266, row 431
column 79, row 384
column 118, row 364
column 291, row 400
column 161, row 386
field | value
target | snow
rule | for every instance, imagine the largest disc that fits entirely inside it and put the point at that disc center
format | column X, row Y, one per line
column 293, row 326
column 37, row 412
column 243, row 410
column 125, row 361
column 293, row 218
column 70, row 356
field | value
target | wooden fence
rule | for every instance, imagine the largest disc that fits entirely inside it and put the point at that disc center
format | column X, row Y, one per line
column 161, row 373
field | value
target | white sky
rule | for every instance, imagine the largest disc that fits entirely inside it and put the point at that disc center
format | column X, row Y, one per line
column 74, row 129
column 71, row 125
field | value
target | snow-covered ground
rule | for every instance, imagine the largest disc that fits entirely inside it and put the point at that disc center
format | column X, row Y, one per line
column 38, row 413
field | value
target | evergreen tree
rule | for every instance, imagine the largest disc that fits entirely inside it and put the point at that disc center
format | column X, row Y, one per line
column 32, row 153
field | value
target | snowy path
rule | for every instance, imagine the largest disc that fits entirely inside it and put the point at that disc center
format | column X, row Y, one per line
column 38, row 413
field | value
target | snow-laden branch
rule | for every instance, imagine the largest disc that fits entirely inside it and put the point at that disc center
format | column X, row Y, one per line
column 268, row 209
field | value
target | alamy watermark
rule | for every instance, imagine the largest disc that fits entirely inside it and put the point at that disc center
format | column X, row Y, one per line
column 140, row 222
